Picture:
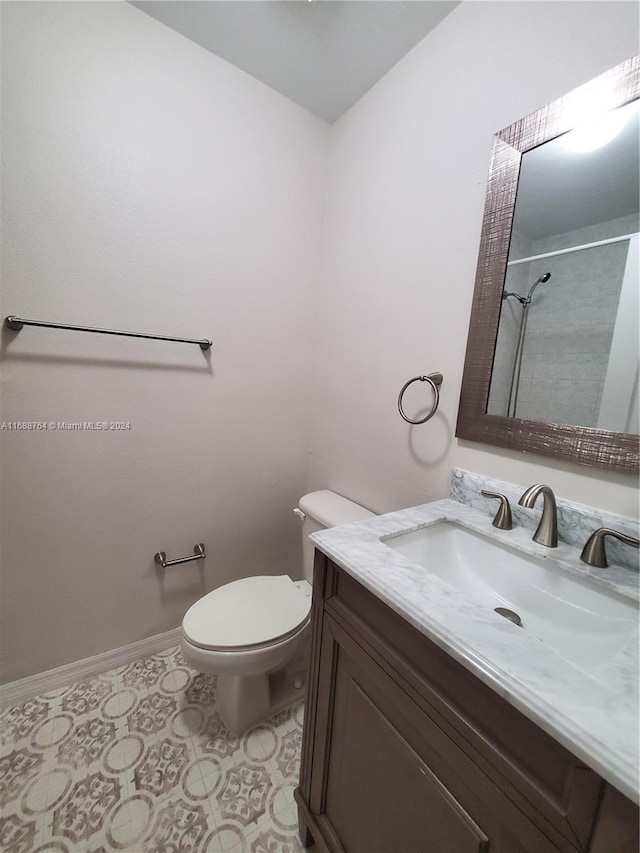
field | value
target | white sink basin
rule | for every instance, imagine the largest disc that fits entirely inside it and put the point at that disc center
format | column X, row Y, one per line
column 585, row 624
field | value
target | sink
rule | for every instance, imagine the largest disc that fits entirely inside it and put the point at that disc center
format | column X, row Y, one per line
column 583, row 623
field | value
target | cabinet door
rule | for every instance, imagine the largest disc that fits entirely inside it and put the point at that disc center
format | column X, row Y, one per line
column 381, row 796
column 617, row 827
column 388, row 780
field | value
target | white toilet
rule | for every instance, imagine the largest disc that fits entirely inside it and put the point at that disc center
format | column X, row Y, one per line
column 253, row 633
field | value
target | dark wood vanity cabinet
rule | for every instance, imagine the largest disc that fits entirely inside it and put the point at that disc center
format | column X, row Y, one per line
column 404, row 751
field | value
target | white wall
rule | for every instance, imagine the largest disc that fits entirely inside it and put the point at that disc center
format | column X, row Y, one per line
column 408, row 174
column 148, row 185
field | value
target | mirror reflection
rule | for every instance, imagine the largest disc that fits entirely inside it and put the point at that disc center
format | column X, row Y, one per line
column 567, row 343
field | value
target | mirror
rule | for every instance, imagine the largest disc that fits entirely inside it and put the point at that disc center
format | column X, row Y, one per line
column 567, row 352
column 552, row 363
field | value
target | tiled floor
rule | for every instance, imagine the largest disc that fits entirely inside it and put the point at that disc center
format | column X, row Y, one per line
column 137, row 759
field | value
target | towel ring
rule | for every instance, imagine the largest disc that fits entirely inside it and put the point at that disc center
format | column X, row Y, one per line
column 435, row 380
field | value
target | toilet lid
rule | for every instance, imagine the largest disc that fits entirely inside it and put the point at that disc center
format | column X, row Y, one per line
column 248, row 612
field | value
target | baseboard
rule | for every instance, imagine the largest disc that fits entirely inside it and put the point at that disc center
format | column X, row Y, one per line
column 15, row 692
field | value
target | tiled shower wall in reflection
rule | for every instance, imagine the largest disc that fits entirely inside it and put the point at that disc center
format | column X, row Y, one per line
column 570, row 326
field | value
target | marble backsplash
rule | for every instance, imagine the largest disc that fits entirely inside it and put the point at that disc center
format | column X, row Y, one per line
column 576, row 522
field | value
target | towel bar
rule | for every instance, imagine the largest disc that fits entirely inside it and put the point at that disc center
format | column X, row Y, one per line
column 16, row 323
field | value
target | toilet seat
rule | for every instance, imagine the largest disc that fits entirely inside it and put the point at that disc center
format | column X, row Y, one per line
column 250, row 613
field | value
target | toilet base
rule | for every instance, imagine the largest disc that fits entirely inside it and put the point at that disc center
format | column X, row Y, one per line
column 243, row 701
column 254, row 684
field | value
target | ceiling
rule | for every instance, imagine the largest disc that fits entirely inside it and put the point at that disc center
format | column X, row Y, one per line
column 560, row 190
column 323, row 54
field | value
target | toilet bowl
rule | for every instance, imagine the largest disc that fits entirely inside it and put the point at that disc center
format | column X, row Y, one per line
column 253, row 633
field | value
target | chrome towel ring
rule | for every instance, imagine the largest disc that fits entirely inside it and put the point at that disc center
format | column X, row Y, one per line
column 435, row 380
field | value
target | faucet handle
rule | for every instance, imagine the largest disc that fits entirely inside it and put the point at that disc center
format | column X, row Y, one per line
column 594, row 553
column 502, row 518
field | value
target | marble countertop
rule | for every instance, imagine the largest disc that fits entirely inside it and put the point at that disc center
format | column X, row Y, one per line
column 594, row 714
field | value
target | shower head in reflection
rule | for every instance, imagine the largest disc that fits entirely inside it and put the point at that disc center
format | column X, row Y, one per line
column 525, row 300
column 542, row 280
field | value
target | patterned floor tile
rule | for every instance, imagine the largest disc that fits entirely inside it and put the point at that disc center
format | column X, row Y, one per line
column 124, row 754
column 179, row 825
column 188, row 722
column 16, row 769
column 287, row 759
column 145, row 673
column 117, row 705
column 201, row 690
column 87, row 696
column 160, row 769
column 138, row 759
column 16, row 834
column 130, row 823
column 51, row 732
column 215, row 739
column 243, row 792
column 44, row 792
column 276, row 832
column 269, row 839
column 86, row 743
column 17, row 723
column 151, row 713
column 82, row 813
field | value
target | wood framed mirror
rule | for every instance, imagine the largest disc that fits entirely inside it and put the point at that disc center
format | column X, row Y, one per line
column 560, row 241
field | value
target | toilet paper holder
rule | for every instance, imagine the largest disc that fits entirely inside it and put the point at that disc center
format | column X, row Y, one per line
column 198, row 551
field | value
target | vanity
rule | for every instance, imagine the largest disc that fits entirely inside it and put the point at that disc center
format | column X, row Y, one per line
column 435, row 724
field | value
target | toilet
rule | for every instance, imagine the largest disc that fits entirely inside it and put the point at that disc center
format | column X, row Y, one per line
column 253, row 633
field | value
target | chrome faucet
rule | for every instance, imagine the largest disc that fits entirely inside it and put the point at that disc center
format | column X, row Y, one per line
column 547, row 532
column 594, row 554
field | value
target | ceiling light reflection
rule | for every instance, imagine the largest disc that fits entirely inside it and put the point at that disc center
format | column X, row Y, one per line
column 596, row 132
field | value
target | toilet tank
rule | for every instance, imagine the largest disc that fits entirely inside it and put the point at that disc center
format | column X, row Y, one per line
column 320, row 510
